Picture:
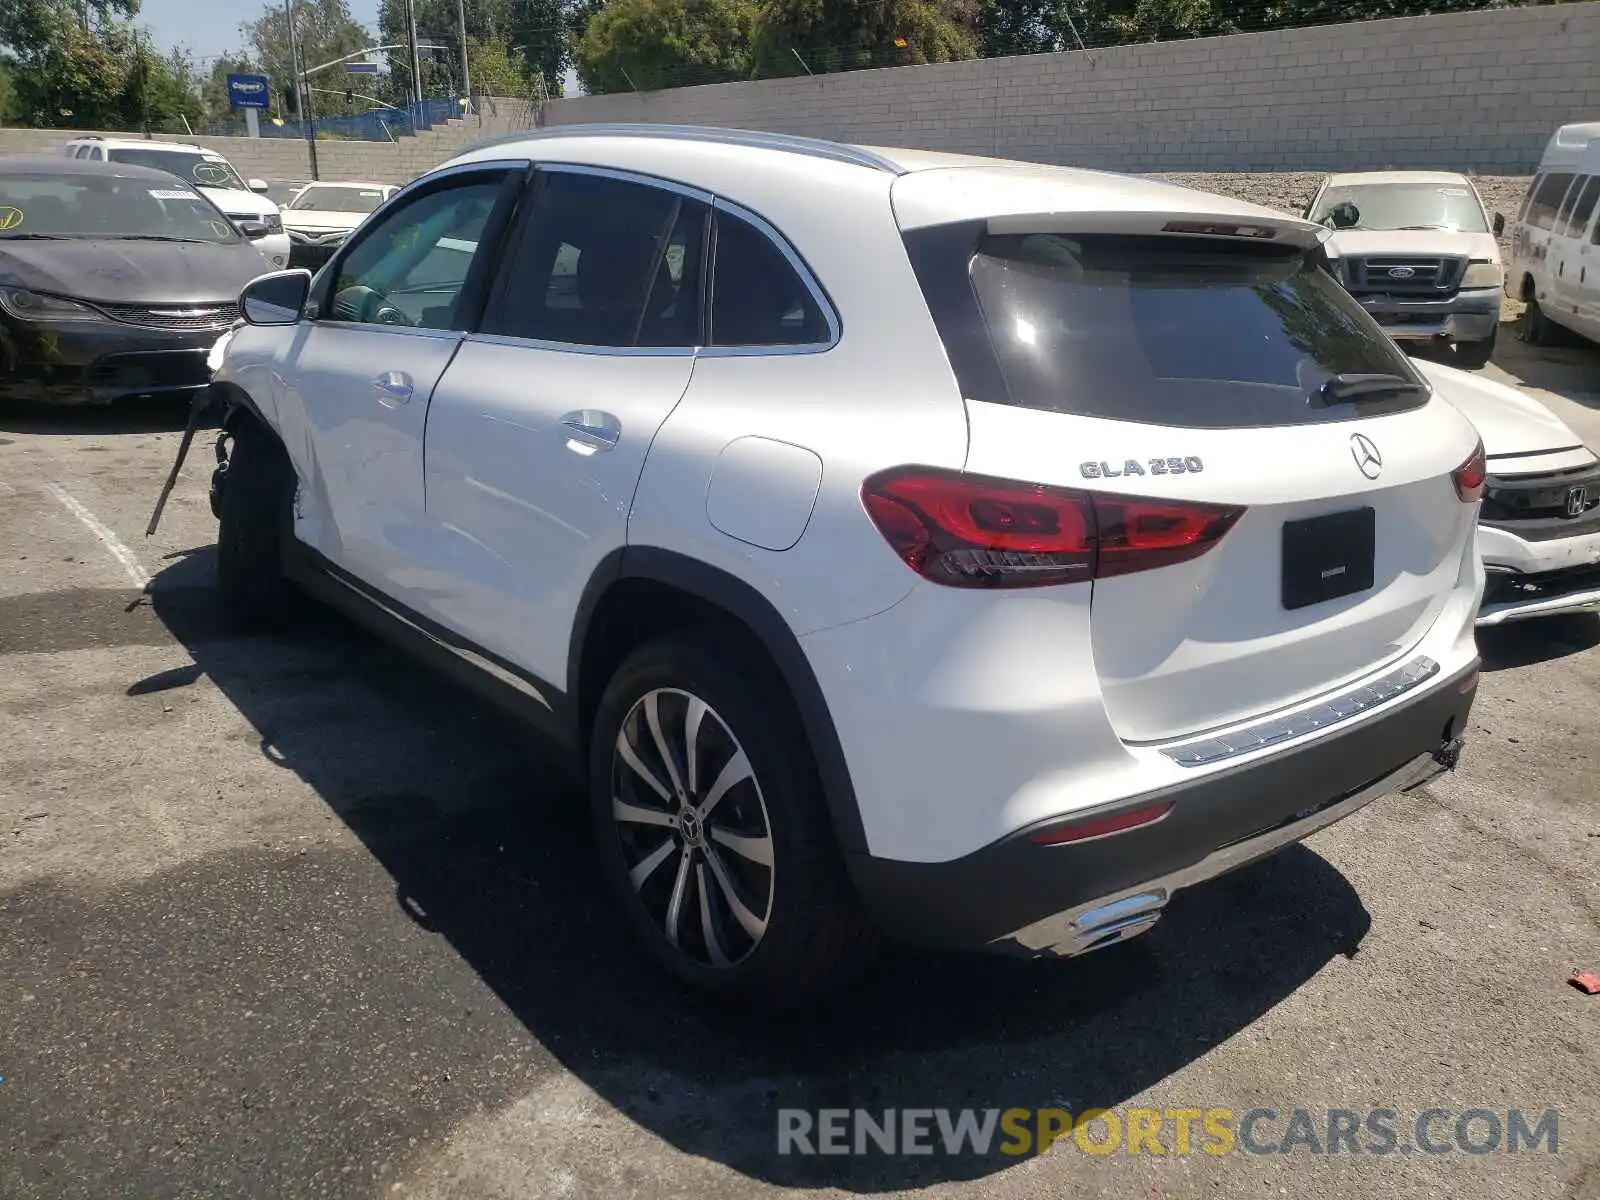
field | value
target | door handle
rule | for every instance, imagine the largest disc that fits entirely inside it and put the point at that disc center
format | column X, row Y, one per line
column 392, row 388
column 588, row 430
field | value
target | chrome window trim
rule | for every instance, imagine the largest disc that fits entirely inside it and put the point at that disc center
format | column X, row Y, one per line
column 314, row 315
column 505, row 339
column 622, row 175
column 800, row 268
column 1271, row 731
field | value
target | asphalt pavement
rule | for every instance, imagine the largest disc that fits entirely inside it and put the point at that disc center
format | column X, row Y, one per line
column 288, row 916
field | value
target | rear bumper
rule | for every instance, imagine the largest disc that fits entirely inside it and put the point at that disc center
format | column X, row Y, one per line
column 1021, row 897
column 1468, row 316
column 101, row 362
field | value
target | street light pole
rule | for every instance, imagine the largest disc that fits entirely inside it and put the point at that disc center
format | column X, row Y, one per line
column 302, row 91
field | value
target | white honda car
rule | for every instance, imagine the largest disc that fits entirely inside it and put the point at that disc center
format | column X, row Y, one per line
column 970, row 550
column 1539, row 526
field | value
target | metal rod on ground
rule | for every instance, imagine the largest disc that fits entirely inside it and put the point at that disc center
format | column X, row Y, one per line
column 800, row 60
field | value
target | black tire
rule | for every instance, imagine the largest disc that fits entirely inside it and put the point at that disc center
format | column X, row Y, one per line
column 253, row 513
column 815, row 938
column 1473, row 356
column 1535, row 328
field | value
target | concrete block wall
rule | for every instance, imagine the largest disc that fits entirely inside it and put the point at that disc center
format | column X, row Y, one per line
column 289, row 160
column 1477, row 90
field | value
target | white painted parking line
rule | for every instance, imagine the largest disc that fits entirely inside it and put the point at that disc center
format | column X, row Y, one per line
column 118, row 550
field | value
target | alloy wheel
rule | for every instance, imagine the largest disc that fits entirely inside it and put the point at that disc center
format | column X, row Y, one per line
column 693, row 826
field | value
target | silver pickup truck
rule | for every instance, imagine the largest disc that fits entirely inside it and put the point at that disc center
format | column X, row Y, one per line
column 1418, row 250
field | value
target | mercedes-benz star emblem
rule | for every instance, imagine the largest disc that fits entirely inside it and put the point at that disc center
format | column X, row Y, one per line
column 1366, row 455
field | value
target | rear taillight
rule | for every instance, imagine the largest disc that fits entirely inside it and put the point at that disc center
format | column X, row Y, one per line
column 1471, row 475
column 969, row 531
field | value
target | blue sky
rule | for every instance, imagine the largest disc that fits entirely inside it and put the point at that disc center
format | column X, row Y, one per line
column 211, row 27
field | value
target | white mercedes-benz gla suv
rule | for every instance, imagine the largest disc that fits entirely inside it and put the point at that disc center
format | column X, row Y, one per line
column 969, row 550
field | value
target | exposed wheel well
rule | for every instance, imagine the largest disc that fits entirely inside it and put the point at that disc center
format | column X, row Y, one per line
column 1526, row 291
column 664, row 593
column 635, row 611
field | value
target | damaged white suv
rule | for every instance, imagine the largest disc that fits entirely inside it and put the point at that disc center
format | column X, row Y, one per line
column 971, row 550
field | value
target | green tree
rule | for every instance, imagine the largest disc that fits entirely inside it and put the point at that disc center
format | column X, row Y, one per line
column 648, row 44
column 533, row 33
column 1113, row 22
column 66, row 74
column 845, row 35
column 496, row 69
column 161, row 89
column 1024, row 27
column 326, row 31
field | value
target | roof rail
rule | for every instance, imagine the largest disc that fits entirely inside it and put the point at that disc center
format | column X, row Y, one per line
column 754, row 138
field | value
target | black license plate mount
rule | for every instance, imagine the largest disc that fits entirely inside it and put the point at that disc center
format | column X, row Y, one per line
column 1327, row 557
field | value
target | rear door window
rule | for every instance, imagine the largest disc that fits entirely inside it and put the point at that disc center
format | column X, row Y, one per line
column 605, row 262
column 1547, row 199
column 758, row 297
column 1564, row 213
column 1583, row 208
column 1197, row 332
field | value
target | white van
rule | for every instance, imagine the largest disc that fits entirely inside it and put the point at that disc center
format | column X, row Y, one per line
column 1557, row 239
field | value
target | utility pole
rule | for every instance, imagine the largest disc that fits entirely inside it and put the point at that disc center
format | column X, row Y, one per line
column 416, row 62
column 144, row 81
column 466, row 79
column 302, row 91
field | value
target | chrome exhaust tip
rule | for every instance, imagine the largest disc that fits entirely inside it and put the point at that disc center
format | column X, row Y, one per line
column 1108, row 924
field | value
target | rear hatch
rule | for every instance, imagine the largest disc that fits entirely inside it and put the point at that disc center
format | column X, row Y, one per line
column 1217, row 364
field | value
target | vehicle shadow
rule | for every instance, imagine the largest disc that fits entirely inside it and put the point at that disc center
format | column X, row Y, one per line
column 486, row 840
column 1571, row 371
column 1524, row 643
column 157, row 415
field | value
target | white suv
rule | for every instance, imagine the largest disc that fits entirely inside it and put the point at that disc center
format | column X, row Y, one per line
column 246, row 205
column 971, row 550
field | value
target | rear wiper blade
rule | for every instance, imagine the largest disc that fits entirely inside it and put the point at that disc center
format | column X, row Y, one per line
column 1350, row 386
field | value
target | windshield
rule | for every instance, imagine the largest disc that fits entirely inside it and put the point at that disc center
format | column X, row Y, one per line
column 107, row 206
column 1193, row 332
column 338, row 199
column 1449, row 206
column 185, row 164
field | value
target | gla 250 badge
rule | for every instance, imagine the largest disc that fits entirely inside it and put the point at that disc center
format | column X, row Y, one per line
column 1188, row 465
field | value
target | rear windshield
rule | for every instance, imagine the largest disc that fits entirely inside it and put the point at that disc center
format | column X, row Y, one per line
column 1197, row 332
